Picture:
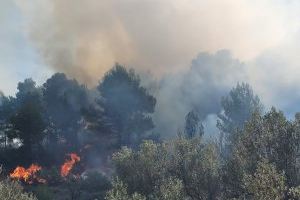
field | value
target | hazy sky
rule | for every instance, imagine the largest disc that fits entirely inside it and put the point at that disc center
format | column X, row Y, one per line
column 18, row 58
column 85, row 38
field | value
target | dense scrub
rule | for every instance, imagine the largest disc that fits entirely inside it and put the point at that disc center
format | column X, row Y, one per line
column 254, row 154
column 12, row 190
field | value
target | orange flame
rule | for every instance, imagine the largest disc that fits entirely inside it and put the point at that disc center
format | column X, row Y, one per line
column 21, row 173
column 68, row 165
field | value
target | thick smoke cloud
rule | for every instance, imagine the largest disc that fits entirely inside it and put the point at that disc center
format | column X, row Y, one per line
column 275, row 76
column 200, row 88
column 85, row 38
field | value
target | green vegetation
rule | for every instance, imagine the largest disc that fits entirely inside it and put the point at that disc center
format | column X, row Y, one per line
column 12, row 190
column 255, row 155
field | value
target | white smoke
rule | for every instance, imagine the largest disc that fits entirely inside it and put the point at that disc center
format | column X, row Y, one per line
column 85, row 38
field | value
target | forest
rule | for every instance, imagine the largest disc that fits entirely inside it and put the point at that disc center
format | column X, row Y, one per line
column 64, row 141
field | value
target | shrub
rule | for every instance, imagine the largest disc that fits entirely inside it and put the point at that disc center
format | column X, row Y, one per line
column 12, row 190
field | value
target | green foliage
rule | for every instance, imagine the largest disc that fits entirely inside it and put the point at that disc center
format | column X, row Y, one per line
column 274, row 138
column 266, row 183
column 238, row 108
column 142, row 170
column 64, row 101
column 28, row 124
column 171, row 188
column 263, row 164
column 232, row 174
column 257, row 157
column 127, row 104
column 119, row 192
column 12, row 190
column 197, row 165
column 269, row 137
column 193, row 126
column 294, row 193
column 27, row 120
column 191, row 166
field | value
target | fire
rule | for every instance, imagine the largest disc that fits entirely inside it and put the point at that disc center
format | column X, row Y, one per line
column 68, row 165
column 27, row 175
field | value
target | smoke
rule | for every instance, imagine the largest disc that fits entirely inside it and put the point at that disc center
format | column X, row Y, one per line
column 275, row 76
column 210, row 77
column 84, row 39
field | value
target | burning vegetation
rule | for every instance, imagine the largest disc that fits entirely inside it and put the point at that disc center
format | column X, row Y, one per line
column 30, row 176
column 27, row 175
column 68, row 165
column 61, row 117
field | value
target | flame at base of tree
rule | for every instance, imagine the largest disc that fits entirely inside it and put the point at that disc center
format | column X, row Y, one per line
column 27, row 175
column 68, row 165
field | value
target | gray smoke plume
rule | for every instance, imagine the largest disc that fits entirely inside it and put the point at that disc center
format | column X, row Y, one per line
column 275, row 76
column 210, row 77
column 85, row 38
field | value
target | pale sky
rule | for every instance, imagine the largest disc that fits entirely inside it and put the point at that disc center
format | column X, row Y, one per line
column 18, row 58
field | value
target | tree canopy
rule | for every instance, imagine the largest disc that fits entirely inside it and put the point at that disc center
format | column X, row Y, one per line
column 128, row 104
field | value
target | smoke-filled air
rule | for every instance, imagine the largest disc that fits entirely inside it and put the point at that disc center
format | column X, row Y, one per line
column 149, row 100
